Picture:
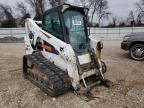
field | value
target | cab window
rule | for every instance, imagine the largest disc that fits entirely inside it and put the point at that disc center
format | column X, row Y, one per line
column 52, row 25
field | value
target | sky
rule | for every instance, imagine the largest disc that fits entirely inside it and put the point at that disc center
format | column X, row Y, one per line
column 122, row 7
column 119, row 8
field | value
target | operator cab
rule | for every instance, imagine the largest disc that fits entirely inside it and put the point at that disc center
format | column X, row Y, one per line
column 68, row 23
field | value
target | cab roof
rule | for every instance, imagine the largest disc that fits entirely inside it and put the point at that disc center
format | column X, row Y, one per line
column 63, row 8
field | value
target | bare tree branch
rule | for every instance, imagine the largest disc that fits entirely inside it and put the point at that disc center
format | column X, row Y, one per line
column 140, row 8
column 7, row 16
column 114, row 21
column 22, row 8
column 39, row 8
column 6, row 11
column 98, row 7
column 56, row 2
column 131, row 18
column 102, row 10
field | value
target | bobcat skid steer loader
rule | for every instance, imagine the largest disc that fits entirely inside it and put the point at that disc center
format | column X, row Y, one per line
column 59, row 53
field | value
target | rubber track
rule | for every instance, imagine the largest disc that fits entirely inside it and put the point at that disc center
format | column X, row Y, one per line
column 59, row 78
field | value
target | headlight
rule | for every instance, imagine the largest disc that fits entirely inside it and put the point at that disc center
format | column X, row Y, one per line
column 125, row 38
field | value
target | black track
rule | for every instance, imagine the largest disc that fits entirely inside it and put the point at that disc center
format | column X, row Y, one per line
column 57, row 77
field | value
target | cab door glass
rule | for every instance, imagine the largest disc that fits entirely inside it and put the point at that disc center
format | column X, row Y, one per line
column 74, row 22
column 53, row 26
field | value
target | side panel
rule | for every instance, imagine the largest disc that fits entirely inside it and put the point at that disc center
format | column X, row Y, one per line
column 66, row 59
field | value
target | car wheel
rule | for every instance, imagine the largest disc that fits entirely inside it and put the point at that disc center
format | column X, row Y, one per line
column 137, row 52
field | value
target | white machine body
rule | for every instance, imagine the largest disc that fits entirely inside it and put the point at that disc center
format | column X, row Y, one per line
column 66, row 59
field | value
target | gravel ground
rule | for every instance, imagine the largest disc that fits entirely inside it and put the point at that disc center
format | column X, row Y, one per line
column 11, row 40
column 127, row 75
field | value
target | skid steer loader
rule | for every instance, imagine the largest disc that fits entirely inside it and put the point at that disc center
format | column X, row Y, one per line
column 59, row 53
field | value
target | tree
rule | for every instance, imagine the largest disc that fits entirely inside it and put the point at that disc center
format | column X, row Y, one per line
column 98, row 7
column 102, row 10
column 6, row 12
column 139, row 20
column 56, row 2
column 87, row 3
column 114, row 21
column 131, row 18
column 122, row 24
column 94, row 3
column 7, row 16
column 140, row 9
column 39, row 8
column 23, row 10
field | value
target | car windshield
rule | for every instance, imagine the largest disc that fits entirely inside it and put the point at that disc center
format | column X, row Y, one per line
column 74, row 22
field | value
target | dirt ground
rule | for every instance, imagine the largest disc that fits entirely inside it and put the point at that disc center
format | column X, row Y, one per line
column 11, row 40
column 127, row 75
